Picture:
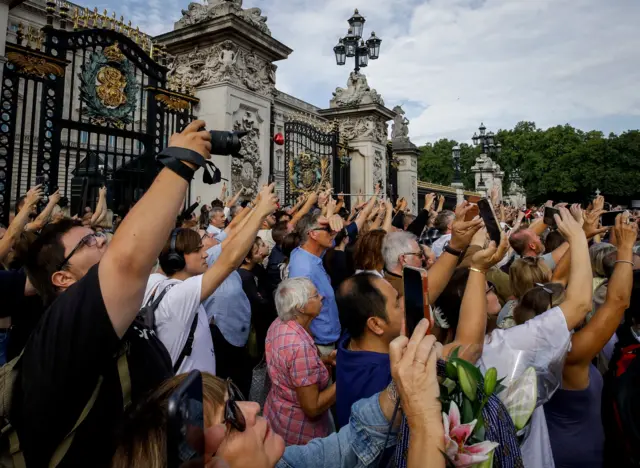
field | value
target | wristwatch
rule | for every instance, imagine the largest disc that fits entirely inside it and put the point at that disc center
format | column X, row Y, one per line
column 452, row 251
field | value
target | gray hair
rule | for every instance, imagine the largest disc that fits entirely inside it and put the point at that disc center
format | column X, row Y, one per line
column 443, row 220
column 597, row 253
column 216, row 209
column 396, row 244
column 291, row 296
column 306, row 225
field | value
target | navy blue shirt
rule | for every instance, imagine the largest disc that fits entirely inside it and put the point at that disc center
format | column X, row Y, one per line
column 359, row 374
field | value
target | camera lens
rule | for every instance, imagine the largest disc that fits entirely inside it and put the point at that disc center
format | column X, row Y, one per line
column 226, row 143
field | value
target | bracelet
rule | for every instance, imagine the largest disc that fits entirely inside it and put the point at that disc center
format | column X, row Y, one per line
column 452, row 251
column 624, row 261
column 477, row 271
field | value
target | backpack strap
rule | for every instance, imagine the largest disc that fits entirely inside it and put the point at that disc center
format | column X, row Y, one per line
column 188, row 346
column 125, row 383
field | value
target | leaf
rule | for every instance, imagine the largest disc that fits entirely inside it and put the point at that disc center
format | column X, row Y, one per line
column 467, row 411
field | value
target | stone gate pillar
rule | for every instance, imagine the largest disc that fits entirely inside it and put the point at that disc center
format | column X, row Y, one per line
column 226, row 54
column 362, row 119
column 407, row 155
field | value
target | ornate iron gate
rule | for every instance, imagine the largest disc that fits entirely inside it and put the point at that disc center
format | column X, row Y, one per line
column 85, row 108
column 311, row 158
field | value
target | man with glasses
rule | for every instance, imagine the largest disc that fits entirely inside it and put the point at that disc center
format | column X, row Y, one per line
column 88, row 357
column 317, row 235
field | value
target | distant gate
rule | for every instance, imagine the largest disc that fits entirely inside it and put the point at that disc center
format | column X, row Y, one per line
column 312, row 159
column 85, row 108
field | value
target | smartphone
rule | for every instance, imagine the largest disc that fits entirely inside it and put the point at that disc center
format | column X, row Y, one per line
column 474, row 210
column 490, row 221
column 609, row 219
column 549, row 219
column 416, row 298
column 39, row 180
column 185, row 424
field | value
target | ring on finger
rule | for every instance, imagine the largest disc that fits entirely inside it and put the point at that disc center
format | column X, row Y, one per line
column 418, row 360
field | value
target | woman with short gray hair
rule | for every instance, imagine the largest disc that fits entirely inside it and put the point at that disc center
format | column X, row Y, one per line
column 298, row 403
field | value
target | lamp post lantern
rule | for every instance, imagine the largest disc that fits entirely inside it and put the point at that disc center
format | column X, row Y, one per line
column 455, row 153
column 353, row 44
column 487, row 141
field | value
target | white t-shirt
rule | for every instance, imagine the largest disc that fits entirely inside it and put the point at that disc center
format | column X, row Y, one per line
column 543, row 343
column 439, row 245
column 174, row 317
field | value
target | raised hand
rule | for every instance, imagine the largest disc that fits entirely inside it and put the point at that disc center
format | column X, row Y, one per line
column 598, row 203
column 485, row 259
column 34, row 195
column 568, row 226
column 268, row 201
column 626, row 233
column 591, row 224
column 193, row 139
column 54, row 198
column 463, row 231
column 429, row 198
column 576, row 212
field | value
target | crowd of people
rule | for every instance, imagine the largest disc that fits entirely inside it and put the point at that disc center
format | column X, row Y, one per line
column 294, row 316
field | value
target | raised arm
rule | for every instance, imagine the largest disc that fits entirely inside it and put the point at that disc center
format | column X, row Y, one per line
column 132, row 253
column 240, row 244
column 43, row 218
column 308, row 204
column 589, row 341
column 223, row 192
column 100, row 207
column 472, row 323
column 233, row 200
column 20, row 221
column 579, row 292
column 388, row 216
column 461, row 234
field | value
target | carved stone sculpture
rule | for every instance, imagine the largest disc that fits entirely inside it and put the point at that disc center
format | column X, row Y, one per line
column 356, row 93
column 400, row 125
column 364, row 128
column 378, row 170
column 224, row 62
column 246, row 171
column 197, row 12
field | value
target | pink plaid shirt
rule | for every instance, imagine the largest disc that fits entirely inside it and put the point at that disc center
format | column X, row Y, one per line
column 293, row 361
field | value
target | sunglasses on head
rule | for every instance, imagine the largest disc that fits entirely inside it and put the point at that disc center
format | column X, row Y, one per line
column 548, row 291
column 323, row 228
column 232, row 413
column 490, row 287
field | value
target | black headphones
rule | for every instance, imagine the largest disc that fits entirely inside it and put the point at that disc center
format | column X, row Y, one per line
column 175, row 261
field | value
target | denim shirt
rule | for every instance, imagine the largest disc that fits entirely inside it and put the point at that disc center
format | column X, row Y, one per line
column 357, row 445
column 325, row 328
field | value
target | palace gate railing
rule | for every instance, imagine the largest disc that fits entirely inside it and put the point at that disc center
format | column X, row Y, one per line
column 83, row 105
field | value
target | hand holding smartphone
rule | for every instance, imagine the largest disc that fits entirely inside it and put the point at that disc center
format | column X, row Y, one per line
column 490, row 221
column 609, row 219
column 549, row 218
column 416, row 298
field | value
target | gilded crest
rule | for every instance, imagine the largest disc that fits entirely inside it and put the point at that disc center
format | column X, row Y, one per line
column 109, row 88
column 308, row 171
column 172, row 103
column 113, row 53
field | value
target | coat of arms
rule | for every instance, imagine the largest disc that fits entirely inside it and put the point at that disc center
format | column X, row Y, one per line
column 109, row 88
column 308, row 171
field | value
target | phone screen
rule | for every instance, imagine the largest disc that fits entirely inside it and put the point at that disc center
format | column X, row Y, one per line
column 609, row 219
column 490, row 222
column 415, row 293
column 549, row 220
column 185, row 434
column 39, row 180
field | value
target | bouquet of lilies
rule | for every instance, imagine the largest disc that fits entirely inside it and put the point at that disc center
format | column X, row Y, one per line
column 464, row 393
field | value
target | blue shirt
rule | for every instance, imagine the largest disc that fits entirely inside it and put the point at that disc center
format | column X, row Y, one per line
column 326, row 326
column 359, row 374
column 359, row 444
column 229, row 305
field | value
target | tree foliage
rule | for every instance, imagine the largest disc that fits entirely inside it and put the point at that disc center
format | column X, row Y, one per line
column 559, row 163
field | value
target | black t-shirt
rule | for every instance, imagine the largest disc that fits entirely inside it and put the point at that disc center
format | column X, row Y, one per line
column 25, row 311
column 73, row 344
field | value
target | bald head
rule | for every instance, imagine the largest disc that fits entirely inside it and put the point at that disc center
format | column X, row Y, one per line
column 526, row 243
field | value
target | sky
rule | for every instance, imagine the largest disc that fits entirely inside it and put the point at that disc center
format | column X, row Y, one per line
column 455, row 63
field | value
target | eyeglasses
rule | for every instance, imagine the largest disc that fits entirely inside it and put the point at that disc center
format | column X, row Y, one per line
column 548, row 291
column 89, row 240
column 232, row 413
column 490, row 287
column 420, row 254
column 323, row 228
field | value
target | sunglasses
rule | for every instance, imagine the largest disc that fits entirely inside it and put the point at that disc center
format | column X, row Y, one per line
column 232, row 413
column 89, row 240
column 548, row 291
column 490, row 287
column 324, row 228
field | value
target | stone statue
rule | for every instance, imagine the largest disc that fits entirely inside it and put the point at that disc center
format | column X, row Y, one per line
column 400, row 126
column 196, row 13
column 356, row 93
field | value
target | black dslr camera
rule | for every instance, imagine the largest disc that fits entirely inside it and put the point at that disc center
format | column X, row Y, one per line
column 226, row 143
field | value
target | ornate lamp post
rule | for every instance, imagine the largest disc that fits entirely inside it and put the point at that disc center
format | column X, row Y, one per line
column 486, row 141
column 352, row 45
column 455, row 154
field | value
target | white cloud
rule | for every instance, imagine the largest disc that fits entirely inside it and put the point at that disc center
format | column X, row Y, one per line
column 459, row 62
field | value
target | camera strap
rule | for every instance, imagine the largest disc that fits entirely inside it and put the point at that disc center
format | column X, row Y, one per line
column 171, row 158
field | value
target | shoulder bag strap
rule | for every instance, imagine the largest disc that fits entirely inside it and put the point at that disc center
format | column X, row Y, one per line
column 125, row 384
column 188, row 346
